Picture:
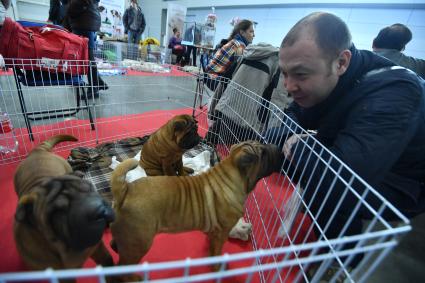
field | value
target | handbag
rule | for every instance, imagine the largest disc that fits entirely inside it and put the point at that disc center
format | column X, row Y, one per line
column 50, row 48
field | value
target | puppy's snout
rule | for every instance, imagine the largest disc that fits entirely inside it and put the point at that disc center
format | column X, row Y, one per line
column 100, row 210
column 107, row 213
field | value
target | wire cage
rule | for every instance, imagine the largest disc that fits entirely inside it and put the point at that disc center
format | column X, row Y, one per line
column 114, row 51
column 290, row 239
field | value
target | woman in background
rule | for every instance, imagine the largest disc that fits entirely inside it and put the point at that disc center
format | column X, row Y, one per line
column 175, row 44
column 222, row 64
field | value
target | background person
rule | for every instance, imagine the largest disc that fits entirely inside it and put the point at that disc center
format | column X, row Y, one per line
column 391, row 42
column 134, row 22
column 175, row 44
column 57, row 11
column 83, row 18
column 222, row 62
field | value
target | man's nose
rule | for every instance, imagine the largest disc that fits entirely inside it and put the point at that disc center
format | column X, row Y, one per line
column 290, row 84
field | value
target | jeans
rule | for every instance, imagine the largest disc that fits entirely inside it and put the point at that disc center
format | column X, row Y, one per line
column 93, row 76
column 193, row 50
column 134, row 37
column 133, row 41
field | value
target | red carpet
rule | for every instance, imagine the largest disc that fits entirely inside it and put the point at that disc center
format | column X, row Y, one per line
column 166, row 247
column 174, row 73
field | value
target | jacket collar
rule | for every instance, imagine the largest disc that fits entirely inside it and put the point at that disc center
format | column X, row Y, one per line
column 361, row 62
column 240, row 38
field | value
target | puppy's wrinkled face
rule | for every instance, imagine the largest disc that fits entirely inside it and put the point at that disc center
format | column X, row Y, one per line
column 185, row 129
column 256, row 160
column 66, row 209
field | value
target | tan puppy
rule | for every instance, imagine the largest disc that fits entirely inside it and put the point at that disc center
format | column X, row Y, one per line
column 211, row 202
column 60, row 218
column 162, row 153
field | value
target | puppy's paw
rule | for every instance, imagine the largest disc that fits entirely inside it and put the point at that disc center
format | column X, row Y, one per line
column 241, row 230
column 78, row 173
column 188, row 170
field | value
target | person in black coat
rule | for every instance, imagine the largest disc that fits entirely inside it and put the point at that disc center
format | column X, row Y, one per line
column 57, row 11
column 366, row 111
column 134, row 22
column 83, row 18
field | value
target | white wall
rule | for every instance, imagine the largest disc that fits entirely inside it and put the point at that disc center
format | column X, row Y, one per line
column 364, row 18
column 275, row 17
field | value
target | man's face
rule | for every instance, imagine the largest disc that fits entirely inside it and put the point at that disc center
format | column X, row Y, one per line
column 309, row 76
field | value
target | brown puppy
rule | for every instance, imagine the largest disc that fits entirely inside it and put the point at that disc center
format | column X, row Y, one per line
column 211, row 202
column 162, row 153
column 60, row 218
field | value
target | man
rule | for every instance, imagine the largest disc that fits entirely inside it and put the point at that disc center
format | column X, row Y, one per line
column 134, row 22
column 390, row 43
column 83, row 18
column 368, row 113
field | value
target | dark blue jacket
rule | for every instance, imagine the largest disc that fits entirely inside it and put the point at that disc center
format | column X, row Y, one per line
column 374, row 123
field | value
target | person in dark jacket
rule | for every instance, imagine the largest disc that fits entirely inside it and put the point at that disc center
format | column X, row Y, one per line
column 57, row 11
column 134, row 22
column 391, row 42
column 368, row 112
column 83, row 18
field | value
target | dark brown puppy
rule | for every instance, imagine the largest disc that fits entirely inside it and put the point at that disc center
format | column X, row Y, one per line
column 162, row 153
column 211, row 202
column 60, row 218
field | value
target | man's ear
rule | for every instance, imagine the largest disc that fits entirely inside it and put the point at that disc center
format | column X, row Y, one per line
column 344, row 59
column 25, row 208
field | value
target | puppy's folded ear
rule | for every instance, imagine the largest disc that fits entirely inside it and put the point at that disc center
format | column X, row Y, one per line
column 78, row 173
column 246, row 159
column 25, row 208
column 179, row 125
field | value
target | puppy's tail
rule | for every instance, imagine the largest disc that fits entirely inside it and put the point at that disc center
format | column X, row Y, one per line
column 47, row 145
column 118, row 184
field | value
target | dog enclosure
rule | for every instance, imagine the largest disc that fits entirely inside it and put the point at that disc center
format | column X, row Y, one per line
column 290, row 239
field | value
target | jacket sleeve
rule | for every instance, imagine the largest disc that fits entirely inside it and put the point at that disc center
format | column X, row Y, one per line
column 420, row 67
column 125, row 21
column 53, row 10
column 376, row 133
column 143, row 25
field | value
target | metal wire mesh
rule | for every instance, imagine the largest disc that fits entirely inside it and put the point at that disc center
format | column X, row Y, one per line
column 290, row 234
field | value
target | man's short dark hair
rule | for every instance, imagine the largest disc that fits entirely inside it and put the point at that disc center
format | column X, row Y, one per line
column 331, row 34
column 395, row 36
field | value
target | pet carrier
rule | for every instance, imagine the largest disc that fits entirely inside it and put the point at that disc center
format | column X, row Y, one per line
column 289, row 241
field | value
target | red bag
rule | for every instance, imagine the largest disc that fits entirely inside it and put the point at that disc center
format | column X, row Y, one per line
column 50, row 45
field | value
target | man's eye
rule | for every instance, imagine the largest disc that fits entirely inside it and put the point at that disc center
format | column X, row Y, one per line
column 301, row 75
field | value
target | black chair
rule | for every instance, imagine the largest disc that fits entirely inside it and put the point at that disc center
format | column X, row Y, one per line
column 38, row 78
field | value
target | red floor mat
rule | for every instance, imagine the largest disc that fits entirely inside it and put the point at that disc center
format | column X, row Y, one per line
column 166, row 247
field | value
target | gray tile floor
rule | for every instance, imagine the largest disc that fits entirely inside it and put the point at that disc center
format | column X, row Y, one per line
column 406, row 263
